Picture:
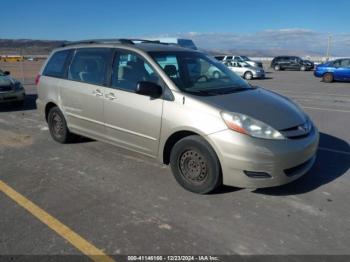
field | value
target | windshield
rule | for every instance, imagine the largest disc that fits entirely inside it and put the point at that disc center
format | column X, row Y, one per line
column 244, row 64
column 245, row 58
column 195, row 73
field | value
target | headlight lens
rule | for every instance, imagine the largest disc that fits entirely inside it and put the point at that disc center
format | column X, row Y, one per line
column 18, row 86
column 250, row 126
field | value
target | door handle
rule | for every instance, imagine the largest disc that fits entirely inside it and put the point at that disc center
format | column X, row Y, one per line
column 111, row 96
column 97, row 92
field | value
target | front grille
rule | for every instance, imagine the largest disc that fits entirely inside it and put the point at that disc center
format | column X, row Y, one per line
column 296, row 132
column 5, row 88
column 297, row 169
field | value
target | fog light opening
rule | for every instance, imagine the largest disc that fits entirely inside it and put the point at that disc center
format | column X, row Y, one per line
column 254, row 174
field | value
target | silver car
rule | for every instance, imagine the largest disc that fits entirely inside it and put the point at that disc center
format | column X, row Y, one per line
column 160, row 100
column 11, row 90
column 245, row 70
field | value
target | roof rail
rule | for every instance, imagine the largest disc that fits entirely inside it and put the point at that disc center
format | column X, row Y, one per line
column 99, row 41
column 112, row 41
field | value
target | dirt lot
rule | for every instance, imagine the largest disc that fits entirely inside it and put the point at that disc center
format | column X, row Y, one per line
column 124, row 203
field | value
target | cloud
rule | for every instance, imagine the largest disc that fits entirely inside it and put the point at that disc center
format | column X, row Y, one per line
column 284, row 39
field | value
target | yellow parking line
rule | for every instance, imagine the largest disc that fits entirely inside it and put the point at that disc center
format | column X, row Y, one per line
column 77, row 241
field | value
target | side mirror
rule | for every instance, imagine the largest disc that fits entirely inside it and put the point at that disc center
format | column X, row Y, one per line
column 6, row 73
column 149, row 89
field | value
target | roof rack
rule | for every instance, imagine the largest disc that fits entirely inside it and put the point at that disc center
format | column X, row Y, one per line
column 112, row 41
column 99, row 41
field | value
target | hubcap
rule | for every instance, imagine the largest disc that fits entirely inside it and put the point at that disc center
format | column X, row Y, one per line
column 57, row 125
column 193, row 167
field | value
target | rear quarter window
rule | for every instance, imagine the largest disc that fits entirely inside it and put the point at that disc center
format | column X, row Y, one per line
column 57, row 64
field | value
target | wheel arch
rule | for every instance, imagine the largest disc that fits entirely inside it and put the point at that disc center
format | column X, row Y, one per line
column 172, row 140
column 48, row 107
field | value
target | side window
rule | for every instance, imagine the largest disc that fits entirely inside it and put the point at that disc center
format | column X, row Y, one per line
column 336, row 63
column 129, row 69
column 89, row 65
column 56, row 65
column 345, row 63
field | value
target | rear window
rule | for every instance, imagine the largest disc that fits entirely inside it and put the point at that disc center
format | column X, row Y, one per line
column 56, row 66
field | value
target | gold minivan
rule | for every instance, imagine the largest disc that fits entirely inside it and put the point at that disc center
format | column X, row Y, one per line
column 179, row 106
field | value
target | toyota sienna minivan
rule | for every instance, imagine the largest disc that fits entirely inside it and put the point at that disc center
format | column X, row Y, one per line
column 160, row 101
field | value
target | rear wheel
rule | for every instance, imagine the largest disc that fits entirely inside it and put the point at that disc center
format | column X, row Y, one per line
column 58, row 126
column 277, row 67
column 195, row 165
column 248, row 75
column 328, row 78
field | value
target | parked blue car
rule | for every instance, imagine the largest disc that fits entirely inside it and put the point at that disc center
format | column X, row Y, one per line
column 337, row 70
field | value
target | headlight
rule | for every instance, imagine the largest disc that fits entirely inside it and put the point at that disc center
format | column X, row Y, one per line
column 18, row 86
column 250, row 126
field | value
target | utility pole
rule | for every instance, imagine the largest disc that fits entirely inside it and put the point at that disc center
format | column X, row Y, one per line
column 329, row 47
column 21, row 64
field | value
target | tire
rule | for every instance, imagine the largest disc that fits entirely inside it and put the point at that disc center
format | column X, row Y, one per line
column 216, row 74
column 328, row 78
column 195, row 165
column 58, row 126
column 302, row 68
column 19, row 103
column 277, row 68
column 248, row 75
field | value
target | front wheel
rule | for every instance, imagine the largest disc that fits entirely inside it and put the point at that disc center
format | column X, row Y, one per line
column 195, row 165
column 248, row 75
column 58, row 126
column 303, row 68
column 277, row 68
column 328, row 78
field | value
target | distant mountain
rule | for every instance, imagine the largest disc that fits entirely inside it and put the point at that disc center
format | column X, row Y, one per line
column 262, row 52
column 44, row 47
column 28, row 46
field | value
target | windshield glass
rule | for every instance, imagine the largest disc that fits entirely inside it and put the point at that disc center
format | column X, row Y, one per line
column 244, row 64
column 196, row 73
column 245, row 58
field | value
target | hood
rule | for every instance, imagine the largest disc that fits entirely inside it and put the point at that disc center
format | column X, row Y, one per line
column 6, row 81
column 272, row 109
column 325, row 64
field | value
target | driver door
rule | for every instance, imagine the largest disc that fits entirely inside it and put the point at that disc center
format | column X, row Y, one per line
column 132, row 120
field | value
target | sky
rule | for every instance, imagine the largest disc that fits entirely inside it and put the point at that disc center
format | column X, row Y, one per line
column 215, row 24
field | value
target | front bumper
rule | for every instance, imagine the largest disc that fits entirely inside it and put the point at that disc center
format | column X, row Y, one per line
column 260, row 74
column 283, row 160
column 12, row 96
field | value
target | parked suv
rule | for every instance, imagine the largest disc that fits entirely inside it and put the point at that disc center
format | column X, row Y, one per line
column 291, row 62
column 160, row 100
column 231, row 58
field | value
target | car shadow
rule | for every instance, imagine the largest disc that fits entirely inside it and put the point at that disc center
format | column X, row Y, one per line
column 333, row 160
column 29, row 104
column 265, row 78
column 224, row 190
